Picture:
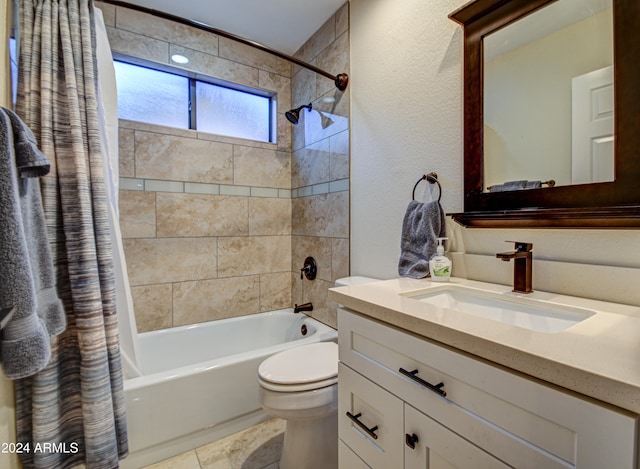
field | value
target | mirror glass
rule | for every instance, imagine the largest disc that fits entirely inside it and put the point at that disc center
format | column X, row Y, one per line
column 548, row 98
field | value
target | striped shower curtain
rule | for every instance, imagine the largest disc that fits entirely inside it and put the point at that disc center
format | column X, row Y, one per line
column 73, row 411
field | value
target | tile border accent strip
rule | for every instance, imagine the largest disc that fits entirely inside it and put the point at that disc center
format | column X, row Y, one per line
column 155, row 185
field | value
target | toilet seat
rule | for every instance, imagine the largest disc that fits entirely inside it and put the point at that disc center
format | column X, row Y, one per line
column 303, row 368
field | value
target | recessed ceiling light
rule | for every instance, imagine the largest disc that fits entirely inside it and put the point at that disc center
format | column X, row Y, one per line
column 179, row 59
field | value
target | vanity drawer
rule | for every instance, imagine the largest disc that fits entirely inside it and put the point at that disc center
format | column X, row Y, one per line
column 521, row 421
column 370, row 420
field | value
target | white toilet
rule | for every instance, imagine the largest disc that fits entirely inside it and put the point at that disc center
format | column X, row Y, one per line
column 300, row 385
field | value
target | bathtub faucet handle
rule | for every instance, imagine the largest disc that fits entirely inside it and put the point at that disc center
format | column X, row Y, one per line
column 309, row 269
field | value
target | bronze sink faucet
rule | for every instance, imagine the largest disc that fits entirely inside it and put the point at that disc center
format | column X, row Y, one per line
column 523, row 263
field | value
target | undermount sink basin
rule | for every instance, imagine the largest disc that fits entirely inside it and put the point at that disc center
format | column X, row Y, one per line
column 520, row 311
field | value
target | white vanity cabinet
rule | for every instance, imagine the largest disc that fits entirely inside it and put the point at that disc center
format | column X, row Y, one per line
column 415, row 403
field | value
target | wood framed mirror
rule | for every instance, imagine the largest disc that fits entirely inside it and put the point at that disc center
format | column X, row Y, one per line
column 611, row 204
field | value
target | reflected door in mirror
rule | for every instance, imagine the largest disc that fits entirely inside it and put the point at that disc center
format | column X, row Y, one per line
column 592, row 152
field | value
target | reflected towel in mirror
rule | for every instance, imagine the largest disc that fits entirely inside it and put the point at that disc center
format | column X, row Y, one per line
column 515, row 186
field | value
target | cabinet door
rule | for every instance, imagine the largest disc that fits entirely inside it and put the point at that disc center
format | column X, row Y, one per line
column 369, row 420
column 347, row 459
column 436, row 447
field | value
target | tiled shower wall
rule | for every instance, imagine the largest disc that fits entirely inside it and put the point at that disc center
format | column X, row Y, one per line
column 207, row 220
column 204, row 236
column 320, row 166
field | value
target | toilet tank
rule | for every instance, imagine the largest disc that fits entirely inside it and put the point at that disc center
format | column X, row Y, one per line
column 355, row 280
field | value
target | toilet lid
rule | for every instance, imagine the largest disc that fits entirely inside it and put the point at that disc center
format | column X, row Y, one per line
column 299, row 365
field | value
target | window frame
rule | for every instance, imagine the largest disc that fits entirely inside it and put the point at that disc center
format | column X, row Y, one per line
column 195, row 77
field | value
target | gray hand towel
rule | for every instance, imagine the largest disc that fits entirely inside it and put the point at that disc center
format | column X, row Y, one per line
column 27, row 280
column 422, row 224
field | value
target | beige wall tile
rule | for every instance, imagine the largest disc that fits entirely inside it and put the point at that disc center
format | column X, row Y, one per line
column 135, row 45
column 316, row 247
column 126, row 149
column 339, row 165
column 280, row 85
column 137, row 214
column 182, row 159
column 335, row 57
column 163, row 260
column 320, row 128
column 332, row 214
column 284, row 130
column 296, row 288
column 208, row 300
column 339, row 258
column 168, row 31
column 311, row 164
column 218, row 67
column 321, row 39
column 303, row 89
column 238, row 52
column 108, row 13
column 342, row 19
column 275, row 291
column 269, row 216
column 324, row 311
column 303, row 216
column 156, row 129
column 248, row 255
column 236, row 141
column 183, row 215
column 261, row 168
column 152, row 307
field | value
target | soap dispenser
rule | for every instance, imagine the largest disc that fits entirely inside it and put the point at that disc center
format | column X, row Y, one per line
column 439, row 264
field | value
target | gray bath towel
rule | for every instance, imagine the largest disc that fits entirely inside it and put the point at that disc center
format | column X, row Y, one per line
column 422, row 224
column 27, row 280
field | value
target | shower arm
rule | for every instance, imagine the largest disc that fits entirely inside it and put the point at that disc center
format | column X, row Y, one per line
column 341, row 80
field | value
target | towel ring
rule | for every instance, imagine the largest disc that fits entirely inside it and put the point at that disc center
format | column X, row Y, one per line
column 431, row 178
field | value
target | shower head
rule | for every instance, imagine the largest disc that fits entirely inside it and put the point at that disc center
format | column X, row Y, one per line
column 294, row 114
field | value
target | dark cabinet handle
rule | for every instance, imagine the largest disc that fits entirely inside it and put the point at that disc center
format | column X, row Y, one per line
column 369, row 431
column 411, row 440
column 437, row 388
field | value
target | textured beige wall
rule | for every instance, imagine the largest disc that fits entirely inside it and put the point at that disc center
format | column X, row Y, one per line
column 406, row 120
column 406, row 96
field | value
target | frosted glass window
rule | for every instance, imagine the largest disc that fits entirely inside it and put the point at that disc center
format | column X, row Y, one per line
column 226, row 111
column 152, row 96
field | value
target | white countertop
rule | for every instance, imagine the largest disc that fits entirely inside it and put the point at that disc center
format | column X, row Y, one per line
column 598, row 357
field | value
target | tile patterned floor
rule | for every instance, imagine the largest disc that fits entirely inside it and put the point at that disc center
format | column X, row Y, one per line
column 257, row 447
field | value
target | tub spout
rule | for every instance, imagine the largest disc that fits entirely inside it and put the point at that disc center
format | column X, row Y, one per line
column 303, row 307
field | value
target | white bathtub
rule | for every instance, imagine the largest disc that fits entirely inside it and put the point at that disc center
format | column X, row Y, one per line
column 200, row 381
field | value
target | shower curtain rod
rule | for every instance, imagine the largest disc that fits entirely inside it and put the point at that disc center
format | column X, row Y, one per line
column 341, row 80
